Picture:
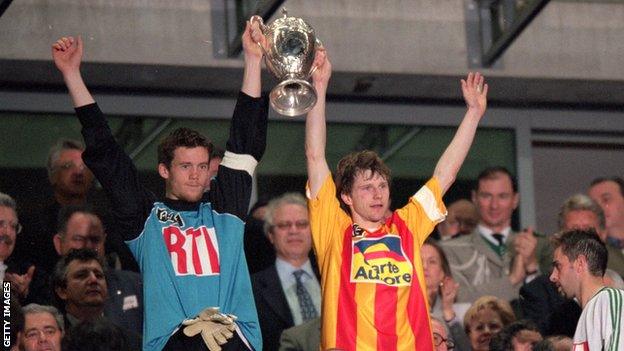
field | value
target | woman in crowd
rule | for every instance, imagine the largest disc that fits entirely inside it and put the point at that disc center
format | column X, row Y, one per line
column 442, row 291
column 486, row 317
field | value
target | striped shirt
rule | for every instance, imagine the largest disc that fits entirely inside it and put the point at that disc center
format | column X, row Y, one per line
column 372, row 283
column 600, row 325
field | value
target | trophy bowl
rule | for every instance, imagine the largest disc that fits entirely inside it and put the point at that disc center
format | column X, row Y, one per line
column 289, row 54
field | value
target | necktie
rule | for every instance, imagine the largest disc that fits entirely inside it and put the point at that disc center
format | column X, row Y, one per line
column 501, row 246
column 305, row 301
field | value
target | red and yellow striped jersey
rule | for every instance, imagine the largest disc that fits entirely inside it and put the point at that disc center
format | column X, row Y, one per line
column 374, row 293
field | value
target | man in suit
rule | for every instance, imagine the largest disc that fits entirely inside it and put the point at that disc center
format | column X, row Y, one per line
column 80, row 228
column 80, row 285
column 493, row 259
column 287, row 293
column 26, row 281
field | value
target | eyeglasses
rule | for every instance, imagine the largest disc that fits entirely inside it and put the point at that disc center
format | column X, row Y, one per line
column 303, row 224
column 438, row 340
column 13, row 225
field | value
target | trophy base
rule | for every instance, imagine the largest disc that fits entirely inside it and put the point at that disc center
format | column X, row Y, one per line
column 293, row 97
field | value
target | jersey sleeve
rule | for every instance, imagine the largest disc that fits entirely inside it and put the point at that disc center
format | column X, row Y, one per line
column 115, row 171
column 231, row 188
column 327, row 220
column 424, row 210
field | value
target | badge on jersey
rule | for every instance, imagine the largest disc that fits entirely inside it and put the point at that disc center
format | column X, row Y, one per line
column 169, row 216
column 193, row 251
column 380, row 261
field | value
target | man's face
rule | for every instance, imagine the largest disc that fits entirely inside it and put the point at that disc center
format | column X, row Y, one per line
column 564, row 274
column 290, row 233
column 608, row 195
column 8, row 231
column 84, row 230
column 583, row 219
column 369, row 199
column 41, row 332
column 71, row 177
column 496, row 201
column 188, row 174
column 86, row 285
column 486, row 323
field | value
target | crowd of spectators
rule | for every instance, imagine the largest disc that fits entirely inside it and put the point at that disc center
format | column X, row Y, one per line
column 487, row 285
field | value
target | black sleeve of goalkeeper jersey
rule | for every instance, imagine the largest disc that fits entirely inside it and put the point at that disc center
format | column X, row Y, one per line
column 230, row 191
column 111, row 166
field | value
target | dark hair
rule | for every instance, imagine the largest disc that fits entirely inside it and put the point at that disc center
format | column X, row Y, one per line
column 181, row 137
column 446, row 267
column 617, row 180
column 584, row 242
column 355, row 163
column 503, row 340
column 217, row 152
column 495, row 172
column 96, row 335
column 66, row 212
column 59, row 277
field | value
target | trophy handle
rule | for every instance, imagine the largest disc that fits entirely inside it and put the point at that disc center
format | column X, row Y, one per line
column 317, row 44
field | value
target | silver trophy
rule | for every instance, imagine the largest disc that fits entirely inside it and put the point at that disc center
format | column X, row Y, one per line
column 289, row 54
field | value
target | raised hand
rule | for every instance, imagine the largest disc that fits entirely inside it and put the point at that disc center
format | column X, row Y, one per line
column 21, row 282
column 252, row 39
column 475, row 92
column 526, row 244
column 323, row 68
column 67, row 54
column 448, row 291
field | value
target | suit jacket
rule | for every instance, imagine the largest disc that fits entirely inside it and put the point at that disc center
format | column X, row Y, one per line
column 124, row 306
column 304, row 337
column 552, row 313
column 273, row 310
column 481, row 271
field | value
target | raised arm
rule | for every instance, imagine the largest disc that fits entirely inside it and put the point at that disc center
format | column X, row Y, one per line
column 104, row 157
column 231, row 190
column 475, row 95
column 67, row 54
column 253, row 59
column 315, row 136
